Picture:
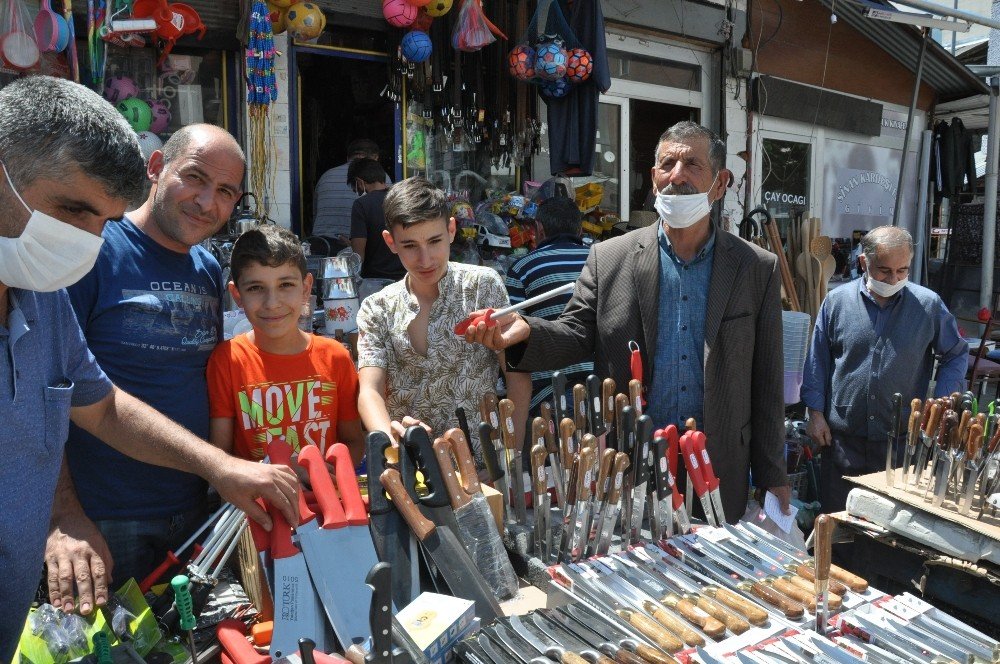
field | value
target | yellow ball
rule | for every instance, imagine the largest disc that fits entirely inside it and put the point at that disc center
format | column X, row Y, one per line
column 438, row 7
column 279, row 22
column 281, row 3
column 305, row 21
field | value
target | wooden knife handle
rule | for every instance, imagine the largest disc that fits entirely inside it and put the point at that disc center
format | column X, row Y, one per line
column 823, row 546
column 466, row 463
column 572, row 658
column 674, row 624
column 834, row 601
column 973, row 440
column 539, row 428
column 580, row 407
column 567, row 443
column 697, row 616
column 488, row 410
column 539, row 481
column 652, row 655
column 749, row 610
column 800, row 595
column 393, row 483
column 843, row 577
column 786, row 605
column 604, row 474
column 934, row 419
column 925, row 415
column 621, row 400
column 506, row 409
column 585, row 474
column 661, row 637
column 456, row 493
column 691, row 424
column 733, row 622
column 617, row 477
column 608, row 400
column 809, row 574
column 589, row 441
column 635, row 396
column 623, row 656
column 994, row 441
column 551, row 444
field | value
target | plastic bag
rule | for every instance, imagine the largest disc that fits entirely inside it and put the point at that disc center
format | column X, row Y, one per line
column 473, row 30
column 18, row 48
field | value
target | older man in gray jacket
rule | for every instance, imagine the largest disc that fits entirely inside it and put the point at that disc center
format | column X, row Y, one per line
column 704, row 307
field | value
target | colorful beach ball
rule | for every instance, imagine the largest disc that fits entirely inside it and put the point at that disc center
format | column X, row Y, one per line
column 136, row 113
column 118, row 88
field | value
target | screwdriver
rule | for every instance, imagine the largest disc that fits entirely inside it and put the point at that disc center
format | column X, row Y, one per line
column 182, row 600
column 102, row 648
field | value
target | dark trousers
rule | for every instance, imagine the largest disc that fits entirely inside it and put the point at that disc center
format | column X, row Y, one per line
column 850, row 456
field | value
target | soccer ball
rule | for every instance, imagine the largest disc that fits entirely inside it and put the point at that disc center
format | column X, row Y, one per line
column 550, row 61
column 279, row 21
column 521, row 62
column 136, row 113
column 579, row 65
column 119, row 88
column 160, row 113
column 438, row 7
column 555, row 89
column 149, row 143
column 416, row 46
column 305, row 21
column 399, row 13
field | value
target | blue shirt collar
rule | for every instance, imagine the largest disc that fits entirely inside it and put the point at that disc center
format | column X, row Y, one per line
column 705, row 251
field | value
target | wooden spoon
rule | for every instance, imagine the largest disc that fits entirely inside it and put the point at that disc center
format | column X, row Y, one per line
column 820, row 248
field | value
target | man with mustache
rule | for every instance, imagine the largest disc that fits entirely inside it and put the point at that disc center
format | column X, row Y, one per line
column 704, row 307
column 151, row 313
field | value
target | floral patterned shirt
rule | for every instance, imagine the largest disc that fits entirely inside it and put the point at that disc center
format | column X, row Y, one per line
column 454, row 372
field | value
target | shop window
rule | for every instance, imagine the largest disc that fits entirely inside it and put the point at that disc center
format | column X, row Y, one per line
column 643, row 69
column 786, row 171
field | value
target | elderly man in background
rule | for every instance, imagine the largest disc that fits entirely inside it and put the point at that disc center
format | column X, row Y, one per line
column 70, row 164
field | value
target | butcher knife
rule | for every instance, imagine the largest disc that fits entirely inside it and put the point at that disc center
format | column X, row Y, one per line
column 599, row 506
column 560, row 408
column 448, row 555
column 608, row 405
column 697, row 482
column 698, row 443
column 581, row 513
column 608, row 518
column 552, row 447
column 897, row 416
column 512, row 449
column 912, row 439
column 541, row 503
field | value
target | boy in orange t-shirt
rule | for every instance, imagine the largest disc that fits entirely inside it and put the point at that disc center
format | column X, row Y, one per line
column 277, row 381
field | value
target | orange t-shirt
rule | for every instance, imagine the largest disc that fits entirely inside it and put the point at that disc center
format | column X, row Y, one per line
column 300, row 397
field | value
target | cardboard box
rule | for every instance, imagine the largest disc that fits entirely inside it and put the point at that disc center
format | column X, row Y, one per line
column 436, row 623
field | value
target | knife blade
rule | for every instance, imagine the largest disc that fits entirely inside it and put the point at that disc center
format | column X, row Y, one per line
column 512, row 446
column 512, row 643
column 540, row 498
column 697, row 483
column 611, row 635
column 589, row 637
column 547, row 647
column 581, row 513
column 698, row 442
column 601, row 488
column 496, row 473
column 448, row 555
column 897, row 416
column 612, row 503
column 552, row 447
column 642, row 437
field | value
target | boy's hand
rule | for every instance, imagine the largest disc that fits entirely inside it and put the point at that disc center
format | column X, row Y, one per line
column 400, row 427
column 509, row 330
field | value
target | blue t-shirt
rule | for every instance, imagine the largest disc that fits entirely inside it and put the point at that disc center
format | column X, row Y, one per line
column 151, row 316
column 45, row 368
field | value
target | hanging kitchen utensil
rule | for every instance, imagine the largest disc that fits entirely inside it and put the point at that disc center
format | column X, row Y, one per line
column 51, row 31
column 18, row 49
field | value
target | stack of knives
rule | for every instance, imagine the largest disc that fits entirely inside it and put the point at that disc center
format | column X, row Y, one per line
column 951, row 455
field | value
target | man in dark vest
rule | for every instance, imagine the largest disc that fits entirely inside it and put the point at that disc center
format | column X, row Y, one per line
column 875, row 336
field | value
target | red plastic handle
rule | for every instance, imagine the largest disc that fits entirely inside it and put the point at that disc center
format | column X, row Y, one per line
column 280, row 453
column 670, row 433
column 354, row 507
column 635, row 366
column 234, row 643
column 322, row 484
column 698, row 442
column 167, row 563
column 261, row 538
column 691, row 463
column 281, row 536
column 470, row 321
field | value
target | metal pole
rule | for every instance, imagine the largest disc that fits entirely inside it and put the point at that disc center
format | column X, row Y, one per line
column 941, row 10
column 921, row 236
column 909, row 125
column 990, row 215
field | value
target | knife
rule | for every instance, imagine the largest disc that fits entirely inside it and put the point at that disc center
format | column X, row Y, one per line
column 697, row 483
column 941, row 467
column 489, row 410
column 600, row 503
column 560, row 408
column 512, row 448
column 557, row 630
column 418, row 454
column 393, row 541
column 611, row 634
column 463, row 423
column 640, row 477
column 580, row 418
column 933, row 415
column 662, row 509
column 552, row 447
column 635, row 395
column 475, row 523
column 973, row 465
column 621, row 401
column 344, row 537
column 912, row 436
column 607, row 405
column 581, row 514
column 612, row 504
column 566, row 527
column 511, row 643
column 822, row 546
column 540, row 498
column 626, row 431
column 698, row 442
column 897, row 416
column 595, row 411
column 549, row 647
column 382, row 650
column 567, row 447
column 587, row 636
column 451, row 559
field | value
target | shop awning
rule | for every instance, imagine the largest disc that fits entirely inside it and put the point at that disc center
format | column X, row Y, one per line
column 942, row 71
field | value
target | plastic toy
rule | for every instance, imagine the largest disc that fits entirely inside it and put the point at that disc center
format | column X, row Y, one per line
column 438, row 8
column 556, row 89
column 119, row 88
column 149, row 143
column 521, row 62
column 416, row 46
column 579, row 65
column 136, row 113
column 399, row 13
column 305, row 21
column 160, row 110
column 550, row 60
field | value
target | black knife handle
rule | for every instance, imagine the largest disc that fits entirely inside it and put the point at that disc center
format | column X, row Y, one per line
column 306, row 648
column 376, row 443
column 595, row 407
column 661, row 469
column 463, row 422
column 490, row 458
column 627, row 434
column 558, row 395
column 379, row 579
column 640, row 455
column 421, row 451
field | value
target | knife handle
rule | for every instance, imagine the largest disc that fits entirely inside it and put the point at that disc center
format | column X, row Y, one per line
column 754, row 614
column 809, row 574
column 623, row 656
column 822, row 547
column 589, row 442
column 559, row 396
column 733, row 622
column 572, row 658
column 800, row 595
column 604, row 474
column 695, row 615
column 608, row 401
column 640, row 452
column 834, row 601
column 539, row 481
column 852, row 581
column 488, row 410
column 674, row 624
column 974, row 438
column 595, row 403
column 281, row 535
column 280, row 453
column 463, row 422
column 339, row 456
column 914, row 428
column 539, row 431
column 621, row 401
column 963, row 427
column 673, row 447
column 449, row 475
column 585, row 474
column 661, row 637
column 379, row 579
column 551, row 441
column 466, row 463
column 635, row 395
column 626, row 437
column 580, row 407
column 322, row 484
column 652, row 655
column 698, row 443
column 232, row 637
column 376, row 444
column 661, row 469
column 792, row 610
column 507, row 433
column 933, row 419
column 617, row 477
column 393, row 483
column 567, row 442
column 691, row 463
column 490, row 459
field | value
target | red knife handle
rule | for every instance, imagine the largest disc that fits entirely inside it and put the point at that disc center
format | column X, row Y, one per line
column 167, row 563
column 261, row 538
column 670, row 433
column 693, row 468
column 698, row 445
column 470, row 321
column 280, row 453
column 234, row 643
column 281, row 535
column 350, row 494
column 678, row 499
column 311, row 459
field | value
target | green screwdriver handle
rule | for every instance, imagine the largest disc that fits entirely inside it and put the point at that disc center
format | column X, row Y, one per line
column 182, row 599
column 102, row 648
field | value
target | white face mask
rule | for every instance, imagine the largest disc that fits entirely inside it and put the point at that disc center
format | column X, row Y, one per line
column 883, row 289
column 684, row 210
column 48, row 255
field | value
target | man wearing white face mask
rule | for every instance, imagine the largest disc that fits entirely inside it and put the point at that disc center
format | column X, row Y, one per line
column 704, row 307
column 70, row 163
column 878, row 335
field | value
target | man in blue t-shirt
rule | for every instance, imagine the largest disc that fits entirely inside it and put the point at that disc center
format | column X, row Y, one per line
column 151, row 313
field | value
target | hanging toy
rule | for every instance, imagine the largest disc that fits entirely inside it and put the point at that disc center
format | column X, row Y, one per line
column 416, row 46
column 399, row 13
column 279, row 21
column 160, row 110
column 119, row 88
column 521, row 62
column 438, row 8
column 550, row 60
column 149, row 143
column 136, row 113
column 555, row 89
column 579, row 64
column 305, row 21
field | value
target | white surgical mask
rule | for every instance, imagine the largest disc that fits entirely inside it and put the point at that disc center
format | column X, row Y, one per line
column 683, row 210
column 48, row 255
column 883, row 289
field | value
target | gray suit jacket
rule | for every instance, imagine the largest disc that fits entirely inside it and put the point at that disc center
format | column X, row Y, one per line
column 616, row 301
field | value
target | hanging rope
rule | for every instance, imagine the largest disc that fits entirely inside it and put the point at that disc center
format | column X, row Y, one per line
column 262, row 90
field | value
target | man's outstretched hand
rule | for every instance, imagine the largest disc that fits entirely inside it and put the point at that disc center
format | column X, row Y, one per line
column 509, row 330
